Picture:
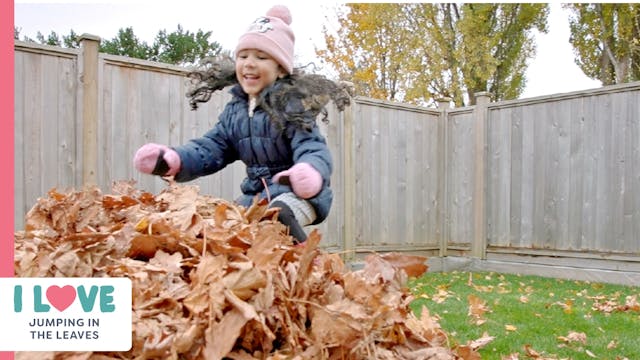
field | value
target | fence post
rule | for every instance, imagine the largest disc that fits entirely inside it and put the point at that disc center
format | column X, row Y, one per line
column 443, row 183
column 349, row 181
column 479, row 241
column 89, row 45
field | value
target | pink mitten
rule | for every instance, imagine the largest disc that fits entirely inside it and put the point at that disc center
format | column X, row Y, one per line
column 157, row 159
column 305, row 180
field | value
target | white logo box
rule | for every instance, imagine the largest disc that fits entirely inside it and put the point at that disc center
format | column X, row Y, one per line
column 65, row 314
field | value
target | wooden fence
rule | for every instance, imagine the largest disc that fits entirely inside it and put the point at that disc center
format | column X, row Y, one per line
column 549, row 177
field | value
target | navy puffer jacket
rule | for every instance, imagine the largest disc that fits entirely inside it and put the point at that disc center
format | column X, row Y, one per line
column 264, row 148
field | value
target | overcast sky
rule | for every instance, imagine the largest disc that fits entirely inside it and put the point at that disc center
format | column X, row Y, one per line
column 552, row 71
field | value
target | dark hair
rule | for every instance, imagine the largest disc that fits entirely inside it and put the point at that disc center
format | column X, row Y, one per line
column 297, row 98
column 213, row 74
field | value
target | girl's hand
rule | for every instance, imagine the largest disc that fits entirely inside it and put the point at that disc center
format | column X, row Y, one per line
column 157, row 159
column 305, row 180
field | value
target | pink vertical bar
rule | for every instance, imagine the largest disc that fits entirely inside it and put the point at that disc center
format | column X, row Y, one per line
column 6, row 144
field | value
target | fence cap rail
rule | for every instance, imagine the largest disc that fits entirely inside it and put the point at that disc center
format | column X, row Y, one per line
column 394, row 105
column 610, row 89
column 32, row 47
column 124, row 61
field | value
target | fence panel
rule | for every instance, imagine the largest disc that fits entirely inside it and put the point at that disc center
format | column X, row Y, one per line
column 564, row 172
column 397, row 152
column 45, row 150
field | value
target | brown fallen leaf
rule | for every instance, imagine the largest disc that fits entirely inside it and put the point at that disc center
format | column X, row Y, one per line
column 574, row 337
column 413, row 266
column 509, row 327
column 530, row 352
column 477, row 308
column 481, row 342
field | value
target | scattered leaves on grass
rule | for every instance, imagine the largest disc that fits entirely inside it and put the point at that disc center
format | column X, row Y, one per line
column 574, row 337
column 441, row 295
column 567, row 305
column 509, row 327
column 482, row 341
column 477, row 308
column 609, row 305
column 538, row 298
column 530, row 353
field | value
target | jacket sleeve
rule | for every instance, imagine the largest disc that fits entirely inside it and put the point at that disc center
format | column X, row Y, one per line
column 311, row 147
column 207, row 154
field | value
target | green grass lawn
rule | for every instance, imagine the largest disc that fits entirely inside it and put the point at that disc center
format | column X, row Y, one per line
column 529, row 315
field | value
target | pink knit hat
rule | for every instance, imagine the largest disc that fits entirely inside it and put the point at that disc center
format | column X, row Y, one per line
column 271, row 34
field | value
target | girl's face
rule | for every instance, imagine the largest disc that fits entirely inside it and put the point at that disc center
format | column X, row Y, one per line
column 255, row 70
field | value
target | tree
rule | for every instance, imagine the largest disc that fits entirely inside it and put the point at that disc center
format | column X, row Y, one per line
column 179, row 47
column 606, row 40
column 432, row 51
column 126, row 44
column 71, row 41
column 496, row 43
column 368, row 49
column 52, row 39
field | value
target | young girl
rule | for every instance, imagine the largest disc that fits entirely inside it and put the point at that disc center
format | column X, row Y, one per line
column 287, row 154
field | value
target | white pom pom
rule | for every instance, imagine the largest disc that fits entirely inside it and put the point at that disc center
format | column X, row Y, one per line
column 281, row 12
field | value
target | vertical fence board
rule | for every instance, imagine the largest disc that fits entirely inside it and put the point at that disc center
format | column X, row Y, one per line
column 632, row 175
column 499, row 178
column 19, row 129
column 459, row 178
column 551, row 200
column 515, row 174
column 383, row 191
column 526, row 235
column 431, row 206
column 563, row 189
column 575, row 182
column 617, row 161
column 590, row 179
column 415, row 182
column 540, row 176
column 400, row 201
column 603, row 168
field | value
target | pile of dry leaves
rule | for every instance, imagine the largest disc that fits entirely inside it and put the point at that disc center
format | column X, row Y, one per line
column 213, row 280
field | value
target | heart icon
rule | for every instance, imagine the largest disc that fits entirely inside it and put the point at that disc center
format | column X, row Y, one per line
column 61, row 297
